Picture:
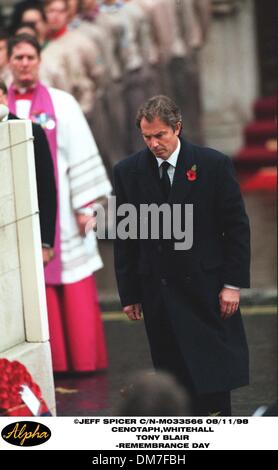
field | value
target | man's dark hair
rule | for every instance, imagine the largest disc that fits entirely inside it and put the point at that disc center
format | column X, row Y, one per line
column 161, row 107
column 3, row 87
column 25, row 24
column 20, row 9
column 155, row 394
column 15, row 40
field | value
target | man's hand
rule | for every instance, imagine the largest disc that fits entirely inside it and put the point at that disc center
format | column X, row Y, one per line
column 133, row 311
column 82, row 221
column 47, row 254
column 229, row 301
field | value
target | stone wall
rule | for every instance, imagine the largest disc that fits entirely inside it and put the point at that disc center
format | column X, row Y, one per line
column 23, row 315
column 229, row 75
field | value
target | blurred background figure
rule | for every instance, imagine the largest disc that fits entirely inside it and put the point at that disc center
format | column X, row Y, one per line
column 5, row 74
column 154, row 394
column 116, row 29
column 70, row 61
column 76, row 331
column 86, row 19
column 188, row 22
column 135, row 66
column 30, row 11
column 45, row 178
column 73, row 10
column 26, row 28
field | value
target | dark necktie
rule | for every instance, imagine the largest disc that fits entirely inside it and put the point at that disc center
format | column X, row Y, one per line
column 165, row 180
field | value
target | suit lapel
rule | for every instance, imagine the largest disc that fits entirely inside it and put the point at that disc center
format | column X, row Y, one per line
column 181, row 186
column 147, row 169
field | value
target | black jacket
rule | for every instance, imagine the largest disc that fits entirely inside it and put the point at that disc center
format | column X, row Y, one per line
column 221, row 235
column 45, row 184
column 187, row 283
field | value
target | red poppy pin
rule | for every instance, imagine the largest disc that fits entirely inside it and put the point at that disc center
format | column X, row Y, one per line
column 192, row 173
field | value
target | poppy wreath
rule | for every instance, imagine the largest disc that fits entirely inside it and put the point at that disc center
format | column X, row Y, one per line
column 13, row 375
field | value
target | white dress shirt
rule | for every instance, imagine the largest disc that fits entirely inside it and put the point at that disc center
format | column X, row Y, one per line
column 172, row 160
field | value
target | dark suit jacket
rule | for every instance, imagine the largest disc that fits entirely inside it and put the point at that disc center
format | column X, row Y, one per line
column 188, row 282
column 45, row 184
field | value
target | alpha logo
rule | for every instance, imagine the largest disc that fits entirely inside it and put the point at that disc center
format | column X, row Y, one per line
column 26, row 433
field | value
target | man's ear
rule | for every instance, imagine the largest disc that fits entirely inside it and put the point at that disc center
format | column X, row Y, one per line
column 178, row 128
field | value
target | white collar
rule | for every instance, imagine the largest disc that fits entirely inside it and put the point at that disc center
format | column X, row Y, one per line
column 173, row 157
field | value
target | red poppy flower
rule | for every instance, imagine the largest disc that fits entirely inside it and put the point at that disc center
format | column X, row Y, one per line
column 192, row 173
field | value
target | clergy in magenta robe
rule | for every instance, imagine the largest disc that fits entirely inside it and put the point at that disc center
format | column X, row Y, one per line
column 76, row 331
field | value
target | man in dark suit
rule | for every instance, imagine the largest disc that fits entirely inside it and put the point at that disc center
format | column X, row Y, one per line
column 190, row 297
column 45, row 183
